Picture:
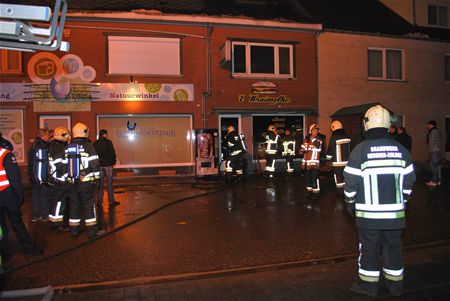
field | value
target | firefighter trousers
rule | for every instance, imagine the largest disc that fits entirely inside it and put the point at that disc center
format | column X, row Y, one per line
column 312, row 180
column 82, row 205
column 58, row 203
column 339, row 176
column 372, row 243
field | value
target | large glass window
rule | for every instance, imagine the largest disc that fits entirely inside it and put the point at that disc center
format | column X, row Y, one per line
column 262, row 60
column 143, row 56
column 150, row 140
column 385, row 64
column 437, row 15
column 293, row 123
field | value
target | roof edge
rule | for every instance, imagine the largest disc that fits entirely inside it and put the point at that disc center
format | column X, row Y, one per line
column 152, row 15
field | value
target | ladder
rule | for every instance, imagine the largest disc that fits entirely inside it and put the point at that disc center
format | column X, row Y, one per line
column 31, row 28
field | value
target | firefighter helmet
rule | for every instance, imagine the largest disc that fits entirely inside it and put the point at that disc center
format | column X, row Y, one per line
column 80, row 130
column 377, row 117
column 312, row 127
column 336, row 125
column 271, row 128
column 61, row 134
column 230, row 129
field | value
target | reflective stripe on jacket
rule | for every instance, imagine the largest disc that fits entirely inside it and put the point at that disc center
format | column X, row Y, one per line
column 4, row 182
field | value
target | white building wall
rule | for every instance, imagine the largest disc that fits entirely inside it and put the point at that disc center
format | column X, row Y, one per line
column 424, row 94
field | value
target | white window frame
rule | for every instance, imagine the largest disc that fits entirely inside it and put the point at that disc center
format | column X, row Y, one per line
column 276, row 73
column 384, row 77
column 446, row 55
column 438, row 21
column 118, row 65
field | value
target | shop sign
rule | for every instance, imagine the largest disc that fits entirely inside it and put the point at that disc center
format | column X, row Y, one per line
column 11, row 126
column 146, row 92
column 263, row 92
column 59, row 84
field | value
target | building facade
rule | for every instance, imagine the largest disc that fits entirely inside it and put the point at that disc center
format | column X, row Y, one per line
column 151, row 79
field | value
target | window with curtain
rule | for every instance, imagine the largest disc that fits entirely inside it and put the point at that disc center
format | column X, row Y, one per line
column 250, row 59
column 132, row 55
column 437, row 15
column 385, row 64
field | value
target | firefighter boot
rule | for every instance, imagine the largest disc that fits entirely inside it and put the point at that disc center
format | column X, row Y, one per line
column 365, row 288
column 394, row 287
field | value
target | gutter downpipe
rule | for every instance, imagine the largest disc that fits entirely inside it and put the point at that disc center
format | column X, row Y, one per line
column 316, row 67
column 414, row 12
column 208, row 91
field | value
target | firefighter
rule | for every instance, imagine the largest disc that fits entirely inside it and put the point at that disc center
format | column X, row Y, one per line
column 379, row 178
column 288, row 151
column 84, row 183
column 338, row 152
column 311, row 148
column 11, row 199
column 38, row 176
column 236, row 150
column 271, row 150
column 59, row 187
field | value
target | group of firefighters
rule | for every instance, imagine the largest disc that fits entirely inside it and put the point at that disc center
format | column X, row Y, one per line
column 376, row 177
column 284, row 144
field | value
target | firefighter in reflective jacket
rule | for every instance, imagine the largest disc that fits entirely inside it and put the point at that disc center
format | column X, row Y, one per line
column 379, row 178
column 236, row 150
column 311, row 148
column 289, row 151
column 82, row 192
column 338, row 152
column 59, row 187
column 271, row 149
column 11, row 199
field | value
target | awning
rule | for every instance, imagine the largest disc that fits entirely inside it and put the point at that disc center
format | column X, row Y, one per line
column 356, row 110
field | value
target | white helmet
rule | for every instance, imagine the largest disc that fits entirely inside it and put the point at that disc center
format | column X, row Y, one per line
column 336, row 125
column 80, row 130
column 61, row 134
column 377, row 117
column 312, row 127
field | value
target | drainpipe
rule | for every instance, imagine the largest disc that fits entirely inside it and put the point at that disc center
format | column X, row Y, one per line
column 414, row 12
column 316, row 67
column 207, row 93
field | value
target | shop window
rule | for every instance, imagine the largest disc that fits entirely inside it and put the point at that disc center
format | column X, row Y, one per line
column 385, row 64
column 447, row 67
column 293, row 123
column 128, row 55
column 437, row 15
column 262, row 60
column 10, row 61
column 150, row 140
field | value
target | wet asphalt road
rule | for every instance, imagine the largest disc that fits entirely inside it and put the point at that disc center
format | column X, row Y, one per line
column 244, row 225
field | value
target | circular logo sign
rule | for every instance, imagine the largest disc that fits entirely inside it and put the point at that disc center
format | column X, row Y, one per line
column 180, row 95
column 44, row 66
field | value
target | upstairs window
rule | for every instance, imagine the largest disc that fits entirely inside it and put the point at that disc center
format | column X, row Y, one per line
column 10, row 62
column 437, row 15
column 385, row 64
column 262, row 60
column 128, row 55
column 447, row 67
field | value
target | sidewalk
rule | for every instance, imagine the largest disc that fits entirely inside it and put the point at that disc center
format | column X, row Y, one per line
column 427, row 277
